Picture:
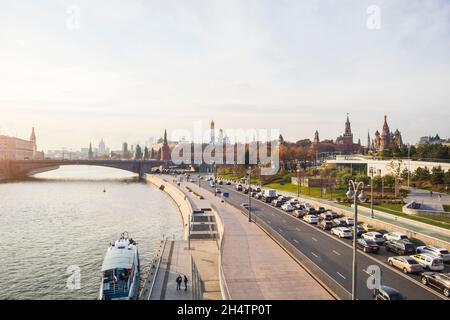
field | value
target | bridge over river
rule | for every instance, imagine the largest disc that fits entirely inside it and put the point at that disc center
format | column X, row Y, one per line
column 13, row 169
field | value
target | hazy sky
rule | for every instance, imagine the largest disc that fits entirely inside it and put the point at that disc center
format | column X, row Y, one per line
column 133, row 68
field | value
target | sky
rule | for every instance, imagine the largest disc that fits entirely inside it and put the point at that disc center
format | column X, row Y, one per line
column 80, row 71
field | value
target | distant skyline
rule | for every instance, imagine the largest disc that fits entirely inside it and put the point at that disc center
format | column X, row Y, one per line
column 134, row 68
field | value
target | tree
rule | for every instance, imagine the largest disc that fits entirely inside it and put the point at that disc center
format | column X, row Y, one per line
column 389, row 180
column 138, row 153
column 146, row 154
column 362, row 177
column 447, row 177
column 421, row 174
column 377, row 182
column 437, row 175
column 343, row 177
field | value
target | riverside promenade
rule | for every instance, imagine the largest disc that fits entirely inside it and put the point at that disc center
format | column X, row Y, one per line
column 253, row 266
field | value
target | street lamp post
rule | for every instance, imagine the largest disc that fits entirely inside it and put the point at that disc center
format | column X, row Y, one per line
column 298, row 180
column 353, row 188
column 249, row 196
column 371, row 191
column 409, row 162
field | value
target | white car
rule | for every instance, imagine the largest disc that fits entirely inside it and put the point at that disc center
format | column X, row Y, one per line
column 349, row 221
column 429, row 262
column 434, row 251
column 342, row 232
column 395, row 236
column 310, row 218
column 287, row 207
column 374, row 236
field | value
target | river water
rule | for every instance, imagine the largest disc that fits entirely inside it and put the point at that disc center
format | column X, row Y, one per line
column 63, row 220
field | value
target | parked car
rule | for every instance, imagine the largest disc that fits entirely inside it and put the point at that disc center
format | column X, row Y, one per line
column 220, row 182
column 406, row 264
column 368, row 227
column 374, row 236
column 218, row 190
column 429, row 262
column 342, row 232
column 321, row 209
column 287, row 207
column 401, row 247
column 359, row 230
column 312, row 211
column 300, row 206
column 326, row 225
column 395, row 236
column 253, row 194
column 387, row 293
column 367, row 245
column 435, row 251
column 238, row 187
column 310, row 218
column 258, row 189
column 298, row 213
column 440, row 281
column 245, row 205
column 276, row 203
column 228, row 183
column 326, row 216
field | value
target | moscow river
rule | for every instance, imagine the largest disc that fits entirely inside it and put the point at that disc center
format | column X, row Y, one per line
column 63, row 219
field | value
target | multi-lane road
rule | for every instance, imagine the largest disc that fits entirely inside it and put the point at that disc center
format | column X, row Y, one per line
column 332, row 255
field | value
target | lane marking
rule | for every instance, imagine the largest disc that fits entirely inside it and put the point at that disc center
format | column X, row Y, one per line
column 341, row 275
column 337, row 253
column 315, row 255
column 295, row 240
column 268, row 221
column 297, row 229
column 281, row 231
column 314, row 239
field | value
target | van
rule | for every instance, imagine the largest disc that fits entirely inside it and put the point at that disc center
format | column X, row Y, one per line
column 429, row 262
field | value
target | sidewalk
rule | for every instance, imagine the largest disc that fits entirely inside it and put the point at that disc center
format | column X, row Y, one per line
column 176, row 260
column 254, row 266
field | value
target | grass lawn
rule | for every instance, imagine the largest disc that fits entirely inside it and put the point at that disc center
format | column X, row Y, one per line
column 312, row 191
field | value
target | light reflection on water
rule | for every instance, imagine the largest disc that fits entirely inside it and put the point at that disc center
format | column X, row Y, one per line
column 63, row 217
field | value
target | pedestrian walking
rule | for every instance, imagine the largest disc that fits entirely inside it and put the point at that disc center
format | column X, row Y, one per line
column 439, row 197
column 431, row 193
column 179, row 280
column 185, row 282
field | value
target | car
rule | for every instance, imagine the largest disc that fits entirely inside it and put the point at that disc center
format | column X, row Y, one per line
column 406, row 264
column 334, row 215
column 440, row 281
column 228, row 183
column 387, row 293
column 367, row 245
column 326, row 225
column 258, row 189
column 338, row 222
column 395, row 236
column 429, row 262
column 401, row 247
column 245, row 205
column 368, row 227
column 298, row 213
column 435, row 251
column 359, row 230
column 287, row 207
column 349, row 221
column 220, row 182
column 218, row 190
column 342, row 232
column 326, row 216
column 300, row 206
column 310, row 218
column 312, row 211
column 276, row 203
column 253, row 194
column 374, row 236
column 321, row 209
column 238, row 187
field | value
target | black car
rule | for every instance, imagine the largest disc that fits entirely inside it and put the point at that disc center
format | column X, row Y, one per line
column 367, row 245
column 387, row 293
column 438, row 280
column 326, row 225
column 321, row 210
column 401, row 247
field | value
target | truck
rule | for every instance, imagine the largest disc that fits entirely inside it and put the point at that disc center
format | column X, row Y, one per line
column 268, row 195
